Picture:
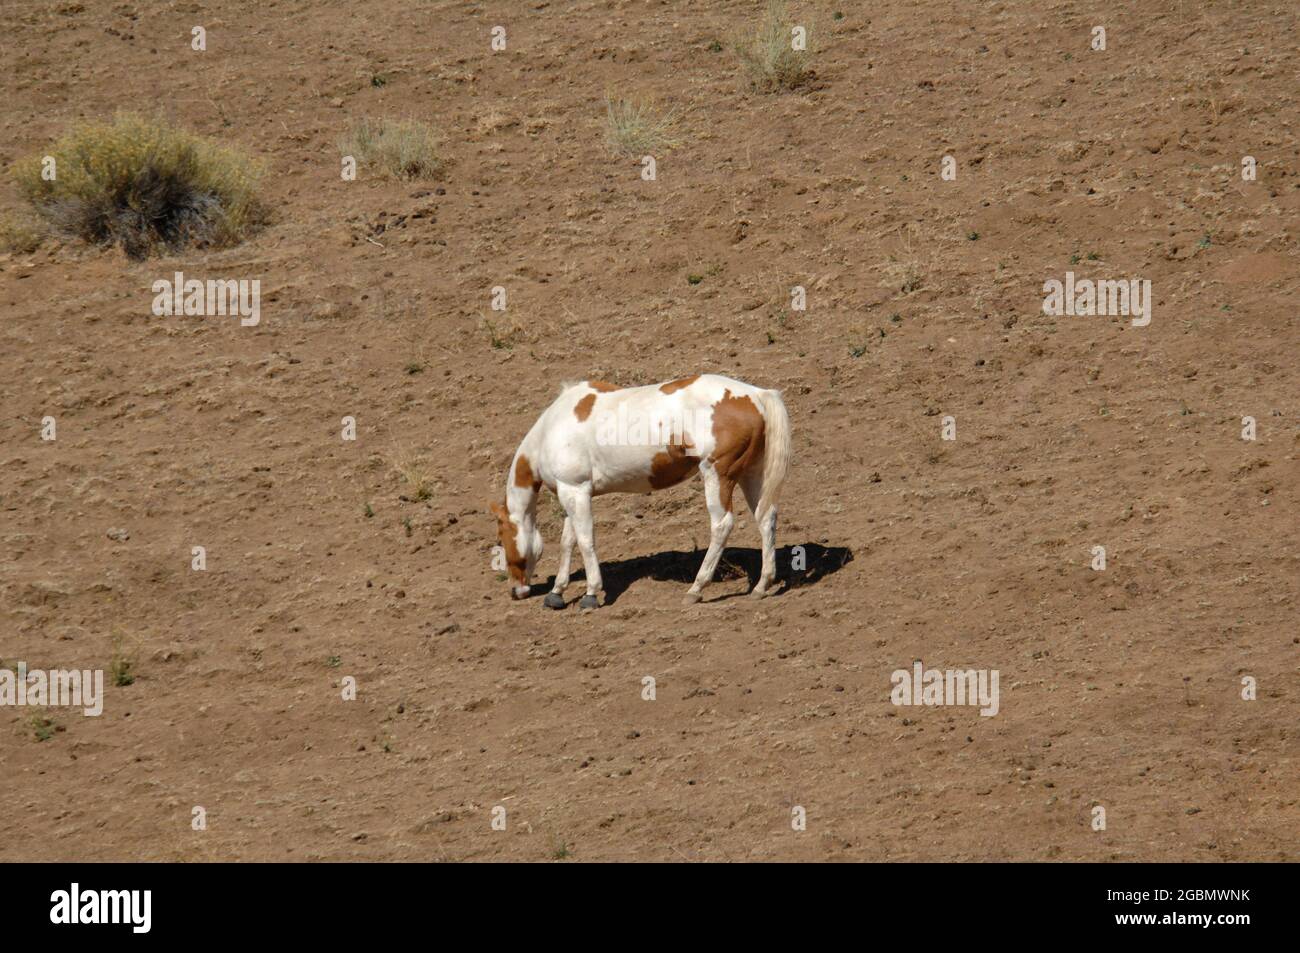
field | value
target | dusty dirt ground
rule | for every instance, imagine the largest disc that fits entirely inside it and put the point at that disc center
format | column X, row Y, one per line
column 1119, row 688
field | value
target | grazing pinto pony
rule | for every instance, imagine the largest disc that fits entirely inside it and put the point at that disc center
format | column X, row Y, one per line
column 597, row 439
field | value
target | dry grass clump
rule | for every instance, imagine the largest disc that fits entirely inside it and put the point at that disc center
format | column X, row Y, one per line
column 145, row 185
column 638, row 127
column 416, row 473
column 767, row 51
column 405, row 148
column 908, row 268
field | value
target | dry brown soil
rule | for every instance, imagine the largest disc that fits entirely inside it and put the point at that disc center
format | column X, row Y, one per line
column 1120, row 688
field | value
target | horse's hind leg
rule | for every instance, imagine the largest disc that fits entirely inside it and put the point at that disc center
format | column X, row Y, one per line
column 555, row 598
column 752, row 484
column 720, row 522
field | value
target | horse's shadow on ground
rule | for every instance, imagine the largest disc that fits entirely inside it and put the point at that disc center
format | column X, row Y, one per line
column 814, row 563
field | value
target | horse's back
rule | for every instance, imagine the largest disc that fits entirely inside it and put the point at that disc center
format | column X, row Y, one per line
column 637, row 439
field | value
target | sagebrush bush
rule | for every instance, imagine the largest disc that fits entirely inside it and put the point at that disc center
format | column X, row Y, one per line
column 20, row 235
column 145, row 185
column 767, row 52
column 638, row 126
column 405, row 148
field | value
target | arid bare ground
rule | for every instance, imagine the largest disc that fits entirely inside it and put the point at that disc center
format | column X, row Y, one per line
column 1119, row 688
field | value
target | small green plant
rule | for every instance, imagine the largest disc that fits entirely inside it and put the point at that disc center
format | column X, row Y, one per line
column 369, row 511
column 973, row 236
column 768, row 52
column 559, row 850
column 1074, row 259
column 1093, row 256
column 121, row 672
column 334, row 661
column 404, row 148
column 714, row 46
column 1204, row 242
column 44, row 728
column 637, row 127
column 121, row 665
column 144, row 185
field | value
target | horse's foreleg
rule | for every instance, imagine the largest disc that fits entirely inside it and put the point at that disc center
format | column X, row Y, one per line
column 576, row 501
column 720, row 522
column 555, row 598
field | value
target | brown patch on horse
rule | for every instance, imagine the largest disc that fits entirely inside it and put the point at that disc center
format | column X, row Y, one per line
column 603, row 386
column 582, row 410
column 680, row 384
column 507, row 533
column 524, row 475
column 738, row 434
column 673, row 464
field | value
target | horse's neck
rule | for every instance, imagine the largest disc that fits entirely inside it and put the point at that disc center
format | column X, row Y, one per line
column 521, row 501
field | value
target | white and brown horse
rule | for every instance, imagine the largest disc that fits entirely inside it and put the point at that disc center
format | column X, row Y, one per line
column 598, row 439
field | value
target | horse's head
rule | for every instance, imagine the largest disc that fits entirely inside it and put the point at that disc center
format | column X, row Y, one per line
column 522, row 543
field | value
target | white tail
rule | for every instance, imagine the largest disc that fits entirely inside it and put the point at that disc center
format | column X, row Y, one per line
column 776, row 454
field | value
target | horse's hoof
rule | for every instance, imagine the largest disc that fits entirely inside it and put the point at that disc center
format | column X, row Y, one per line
column 692, row 598
column 757, row 593
column 588, row 602
column 553, row 600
